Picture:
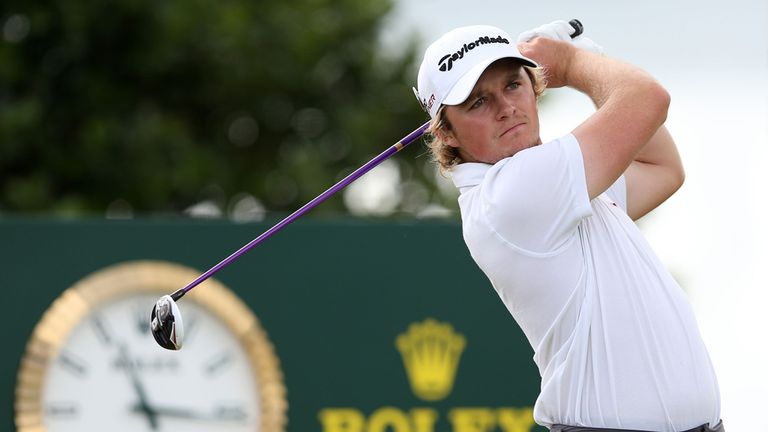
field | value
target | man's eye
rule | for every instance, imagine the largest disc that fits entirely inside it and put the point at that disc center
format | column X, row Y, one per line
column 513, row 85
column 477, row 103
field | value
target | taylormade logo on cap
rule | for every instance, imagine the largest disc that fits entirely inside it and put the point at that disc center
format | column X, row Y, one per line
column 446, row 63
column 453, row 64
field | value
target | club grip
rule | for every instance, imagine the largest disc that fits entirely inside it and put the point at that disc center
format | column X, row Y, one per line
column 578, row 27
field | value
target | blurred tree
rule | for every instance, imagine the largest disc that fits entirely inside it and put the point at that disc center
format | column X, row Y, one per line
column 154, row 106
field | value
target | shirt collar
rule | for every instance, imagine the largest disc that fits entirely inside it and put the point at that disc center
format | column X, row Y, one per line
column 469, row 174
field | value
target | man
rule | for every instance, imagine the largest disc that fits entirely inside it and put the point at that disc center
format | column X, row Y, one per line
column 551, row 225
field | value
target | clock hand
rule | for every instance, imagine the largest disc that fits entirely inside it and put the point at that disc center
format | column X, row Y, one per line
column 144, row 406
column 187, row 413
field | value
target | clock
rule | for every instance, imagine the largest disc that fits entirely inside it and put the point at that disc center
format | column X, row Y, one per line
column 91, row 363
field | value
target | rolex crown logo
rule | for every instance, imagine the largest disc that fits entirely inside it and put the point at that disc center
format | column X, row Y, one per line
column 431, row 352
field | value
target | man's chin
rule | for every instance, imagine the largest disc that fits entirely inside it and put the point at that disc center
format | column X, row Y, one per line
column 525, row 146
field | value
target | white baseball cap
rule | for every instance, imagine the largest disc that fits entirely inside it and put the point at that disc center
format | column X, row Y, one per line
column 453, row 64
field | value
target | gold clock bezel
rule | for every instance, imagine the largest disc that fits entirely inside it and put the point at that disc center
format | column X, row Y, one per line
column 145, row 277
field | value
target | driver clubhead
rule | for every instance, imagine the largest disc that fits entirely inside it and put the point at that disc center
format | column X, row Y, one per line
column 166, row 324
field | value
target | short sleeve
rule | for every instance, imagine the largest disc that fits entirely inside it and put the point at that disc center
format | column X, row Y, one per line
column 536, row 199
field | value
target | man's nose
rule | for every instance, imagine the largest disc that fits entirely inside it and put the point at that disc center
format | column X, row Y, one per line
column 506, row 106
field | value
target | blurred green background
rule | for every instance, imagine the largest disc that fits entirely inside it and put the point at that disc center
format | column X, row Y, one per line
column 216, row 108
column 332, row 296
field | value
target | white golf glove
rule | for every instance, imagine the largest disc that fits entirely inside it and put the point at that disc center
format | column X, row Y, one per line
column 561, row 31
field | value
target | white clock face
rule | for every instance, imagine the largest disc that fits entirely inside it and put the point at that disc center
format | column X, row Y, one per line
column 110, row 374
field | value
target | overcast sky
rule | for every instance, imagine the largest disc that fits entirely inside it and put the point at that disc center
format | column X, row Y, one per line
column 712, row 56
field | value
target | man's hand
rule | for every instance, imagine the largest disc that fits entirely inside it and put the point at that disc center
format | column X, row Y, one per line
column 554, row 56
column 560, row 31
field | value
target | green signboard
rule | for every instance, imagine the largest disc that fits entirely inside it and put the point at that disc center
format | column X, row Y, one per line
column 365, row 326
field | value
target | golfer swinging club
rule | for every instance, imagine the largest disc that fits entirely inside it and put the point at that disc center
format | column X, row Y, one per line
column 551, row 224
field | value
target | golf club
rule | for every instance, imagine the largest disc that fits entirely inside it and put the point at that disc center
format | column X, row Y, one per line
column 165, row 319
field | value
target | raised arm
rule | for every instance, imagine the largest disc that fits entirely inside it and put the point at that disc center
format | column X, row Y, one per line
column 655, row 174
column 625, row 131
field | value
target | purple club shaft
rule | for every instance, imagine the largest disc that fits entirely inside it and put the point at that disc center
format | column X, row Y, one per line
column 386, row 154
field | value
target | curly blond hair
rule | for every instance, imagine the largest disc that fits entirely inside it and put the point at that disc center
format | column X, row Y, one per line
column 448, row 157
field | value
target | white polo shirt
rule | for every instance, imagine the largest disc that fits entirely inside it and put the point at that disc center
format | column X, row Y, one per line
column 615, row 339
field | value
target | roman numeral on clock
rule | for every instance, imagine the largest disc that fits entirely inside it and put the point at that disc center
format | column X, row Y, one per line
column 218, row 363
column 73, row 364
column 100, row 328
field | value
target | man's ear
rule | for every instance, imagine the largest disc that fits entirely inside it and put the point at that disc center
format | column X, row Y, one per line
column 447, row 136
